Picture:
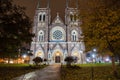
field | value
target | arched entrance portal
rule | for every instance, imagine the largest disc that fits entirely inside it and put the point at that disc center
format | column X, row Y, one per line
column 76, row 56
column 57, row 57
column 39, row 53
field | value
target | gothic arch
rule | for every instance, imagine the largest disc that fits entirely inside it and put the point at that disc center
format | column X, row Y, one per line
column 57, row 53
column 41, row 16
column 76, row 55
column 74, row 35
column 41, row 35
column 57, row 50
column 39, row 53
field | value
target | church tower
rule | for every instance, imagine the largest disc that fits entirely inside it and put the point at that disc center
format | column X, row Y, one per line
column 41, row 23
column 76, row 46
column 57, row 39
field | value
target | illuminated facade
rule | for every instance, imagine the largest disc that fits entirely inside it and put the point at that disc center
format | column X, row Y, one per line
column 57, row 39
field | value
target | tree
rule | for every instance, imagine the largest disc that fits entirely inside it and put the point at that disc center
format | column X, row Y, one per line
column 69, row 60
column 15, row 28
column 117, row 50
column 37, row 60
column 101, row 25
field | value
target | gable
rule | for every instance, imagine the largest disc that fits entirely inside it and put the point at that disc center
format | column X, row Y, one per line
column 57, row 20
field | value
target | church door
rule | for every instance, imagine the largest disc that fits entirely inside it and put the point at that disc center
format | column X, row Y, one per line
column 57, row 59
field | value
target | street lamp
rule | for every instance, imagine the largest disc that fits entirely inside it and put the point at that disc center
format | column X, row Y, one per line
column 93, row 56
column 18, row 55
column 24, row 56
column 19, row 51
column 94, row 50
column 29, row 52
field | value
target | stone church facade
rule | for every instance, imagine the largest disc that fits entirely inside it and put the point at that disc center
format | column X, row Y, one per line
column 57, row 39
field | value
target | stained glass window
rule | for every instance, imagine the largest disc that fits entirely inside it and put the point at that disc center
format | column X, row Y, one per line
column 57, row 34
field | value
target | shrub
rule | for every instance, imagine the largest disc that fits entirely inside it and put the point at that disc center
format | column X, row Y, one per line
column 37, row 60
column 69, row 60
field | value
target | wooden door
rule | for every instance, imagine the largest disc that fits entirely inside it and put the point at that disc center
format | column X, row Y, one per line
column 57, row 59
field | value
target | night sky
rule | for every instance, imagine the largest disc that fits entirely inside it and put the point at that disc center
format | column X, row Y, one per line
column 31, row 5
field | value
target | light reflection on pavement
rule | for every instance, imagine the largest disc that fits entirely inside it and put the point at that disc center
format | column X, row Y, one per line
column 49, row 73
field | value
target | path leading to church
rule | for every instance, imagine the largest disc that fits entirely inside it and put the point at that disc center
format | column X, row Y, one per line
column 49, row 73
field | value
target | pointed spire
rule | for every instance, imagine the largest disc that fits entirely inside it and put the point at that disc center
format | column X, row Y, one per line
column 67, row 2
column 48, row 5
column 57, row 14
column 38, row 6
column 77, row 4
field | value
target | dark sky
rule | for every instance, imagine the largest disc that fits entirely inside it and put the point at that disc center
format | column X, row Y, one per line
column 31, row 5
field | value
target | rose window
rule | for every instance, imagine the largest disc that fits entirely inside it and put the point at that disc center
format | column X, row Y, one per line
column 57, row 34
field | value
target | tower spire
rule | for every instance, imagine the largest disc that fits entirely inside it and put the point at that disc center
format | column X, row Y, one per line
column 67, row 3
column 77, row 4
column 57, row 14
column 38, row 6
column 48, row 5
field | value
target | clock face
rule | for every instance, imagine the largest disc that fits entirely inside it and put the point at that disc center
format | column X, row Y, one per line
column 57, row 35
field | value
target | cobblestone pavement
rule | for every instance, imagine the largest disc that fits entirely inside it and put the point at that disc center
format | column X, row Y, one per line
column 49, row 73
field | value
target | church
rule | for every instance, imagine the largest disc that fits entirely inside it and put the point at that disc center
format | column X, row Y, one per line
column 56, row 39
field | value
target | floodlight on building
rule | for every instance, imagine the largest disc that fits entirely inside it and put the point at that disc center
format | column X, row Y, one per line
column 57, row 54
column 81, row 51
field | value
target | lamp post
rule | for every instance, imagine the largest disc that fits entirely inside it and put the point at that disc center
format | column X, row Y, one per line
column 29, row 52
column 24, row 58
column 19, row 51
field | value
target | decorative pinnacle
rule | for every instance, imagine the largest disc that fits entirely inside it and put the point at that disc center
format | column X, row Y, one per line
column 57, row 14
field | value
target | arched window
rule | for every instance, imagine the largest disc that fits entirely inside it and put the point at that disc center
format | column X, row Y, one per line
column 43, row 17
column 40, row 17
column 48, row 55
column 41, row 36
column 57, row 34
column 74, row 35
column 71, row 17
column 75, row 17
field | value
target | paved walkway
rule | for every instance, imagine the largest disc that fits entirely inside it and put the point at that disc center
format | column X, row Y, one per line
column 49, row 73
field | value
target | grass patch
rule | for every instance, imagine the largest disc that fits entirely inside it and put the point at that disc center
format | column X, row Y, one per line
column 100, row 72
column 10, row 71
column 94, row 64
column 14, row 65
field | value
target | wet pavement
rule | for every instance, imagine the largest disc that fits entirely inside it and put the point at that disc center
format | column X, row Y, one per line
column 48, row 73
